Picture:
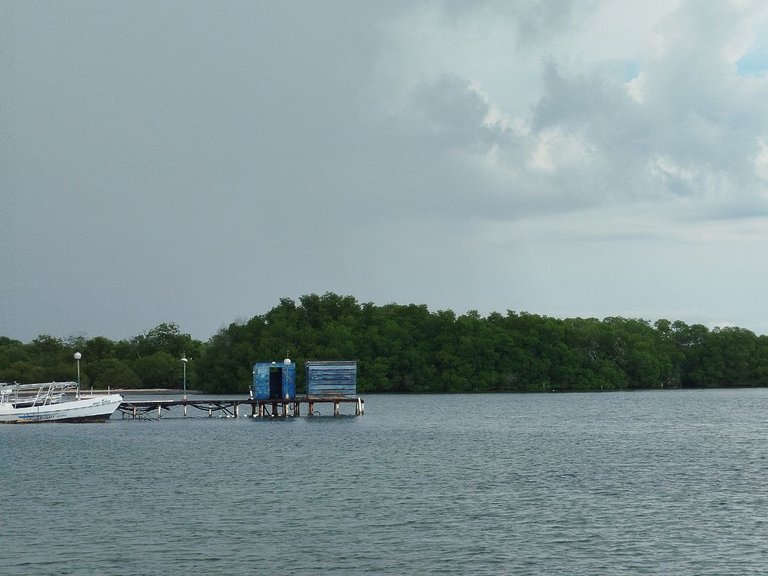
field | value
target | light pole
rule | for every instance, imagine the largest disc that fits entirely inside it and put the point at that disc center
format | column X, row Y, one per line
column 184, row 367
column 77, row 359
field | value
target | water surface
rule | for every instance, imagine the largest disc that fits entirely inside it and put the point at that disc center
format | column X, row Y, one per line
column 670, row 482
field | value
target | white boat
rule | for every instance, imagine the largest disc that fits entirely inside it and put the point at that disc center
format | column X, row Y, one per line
column 54, row 402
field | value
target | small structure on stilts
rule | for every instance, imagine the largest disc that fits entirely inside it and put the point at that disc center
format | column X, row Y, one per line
column 275, row 384
column 332, row 380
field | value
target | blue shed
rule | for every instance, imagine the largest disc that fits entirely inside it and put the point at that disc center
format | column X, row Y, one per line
column 274, row 380
column 331, row 378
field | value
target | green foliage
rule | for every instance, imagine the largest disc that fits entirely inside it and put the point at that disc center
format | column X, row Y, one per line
column 409, row 349
column 159, row 370
column 112, row 373
column 150, row 360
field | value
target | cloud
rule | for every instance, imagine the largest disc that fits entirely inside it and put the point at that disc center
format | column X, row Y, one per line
column 678, row 121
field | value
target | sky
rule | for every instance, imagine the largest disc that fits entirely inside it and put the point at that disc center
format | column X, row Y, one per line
column 193, row 162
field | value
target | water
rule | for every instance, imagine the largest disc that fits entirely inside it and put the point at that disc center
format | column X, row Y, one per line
column 666, row 482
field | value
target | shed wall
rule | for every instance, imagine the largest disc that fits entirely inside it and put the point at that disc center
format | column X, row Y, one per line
column 331, row 378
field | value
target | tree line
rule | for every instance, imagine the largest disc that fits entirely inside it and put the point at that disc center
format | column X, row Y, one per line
column 410, row 349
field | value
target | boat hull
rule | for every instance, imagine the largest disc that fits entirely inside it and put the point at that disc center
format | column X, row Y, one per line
column 88, row 409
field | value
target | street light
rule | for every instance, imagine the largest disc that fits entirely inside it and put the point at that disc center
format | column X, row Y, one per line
column 184, row 361
column 77, row 359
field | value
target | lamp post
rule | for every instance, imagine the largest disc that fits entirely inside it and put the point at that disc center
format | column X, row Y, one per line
column 184, row 367
column 77, row 359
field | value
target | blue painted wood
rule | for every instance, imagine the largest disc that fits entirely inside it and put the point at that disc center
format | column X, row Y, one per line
column 274, row 380
column 331, row 378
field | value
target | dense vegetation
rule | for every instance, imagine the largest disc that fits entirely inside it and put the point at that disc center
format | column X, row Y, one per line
column 407, row 348
column 147, row 361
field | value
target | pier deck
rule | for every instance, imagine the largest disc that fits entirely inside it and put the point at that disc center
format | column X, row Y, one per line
column 231, row 408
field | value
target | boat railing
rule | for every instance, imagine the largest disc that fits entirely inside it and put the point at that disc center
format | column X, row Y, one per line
column 36, row 394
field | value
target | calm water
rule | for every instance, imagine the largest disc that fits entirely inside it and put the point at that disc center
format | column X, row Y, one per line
column 616, row 483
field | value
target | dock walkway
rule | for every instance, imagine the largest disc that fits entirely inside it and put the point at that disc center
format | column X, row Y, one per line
column 231, row 408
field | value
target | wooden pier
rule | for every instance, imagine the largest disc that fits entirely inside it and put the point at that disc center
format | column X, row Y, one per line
column 231, row 408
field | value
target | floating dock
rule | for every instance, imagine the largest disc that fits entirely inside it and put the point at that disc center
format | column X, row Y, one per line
column 232, row 408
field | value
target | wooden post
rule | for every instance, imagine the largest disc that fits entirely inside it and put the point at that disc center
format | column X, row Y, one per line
column 311, row 408
column 335, row 407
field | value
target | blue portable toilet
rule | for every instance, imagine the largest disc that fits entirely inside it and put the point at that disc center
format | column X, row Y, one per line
column 274, row 380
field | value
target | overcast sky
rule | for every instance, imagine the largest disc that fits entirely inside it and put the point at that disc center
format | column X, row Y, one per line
column 195, row 161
